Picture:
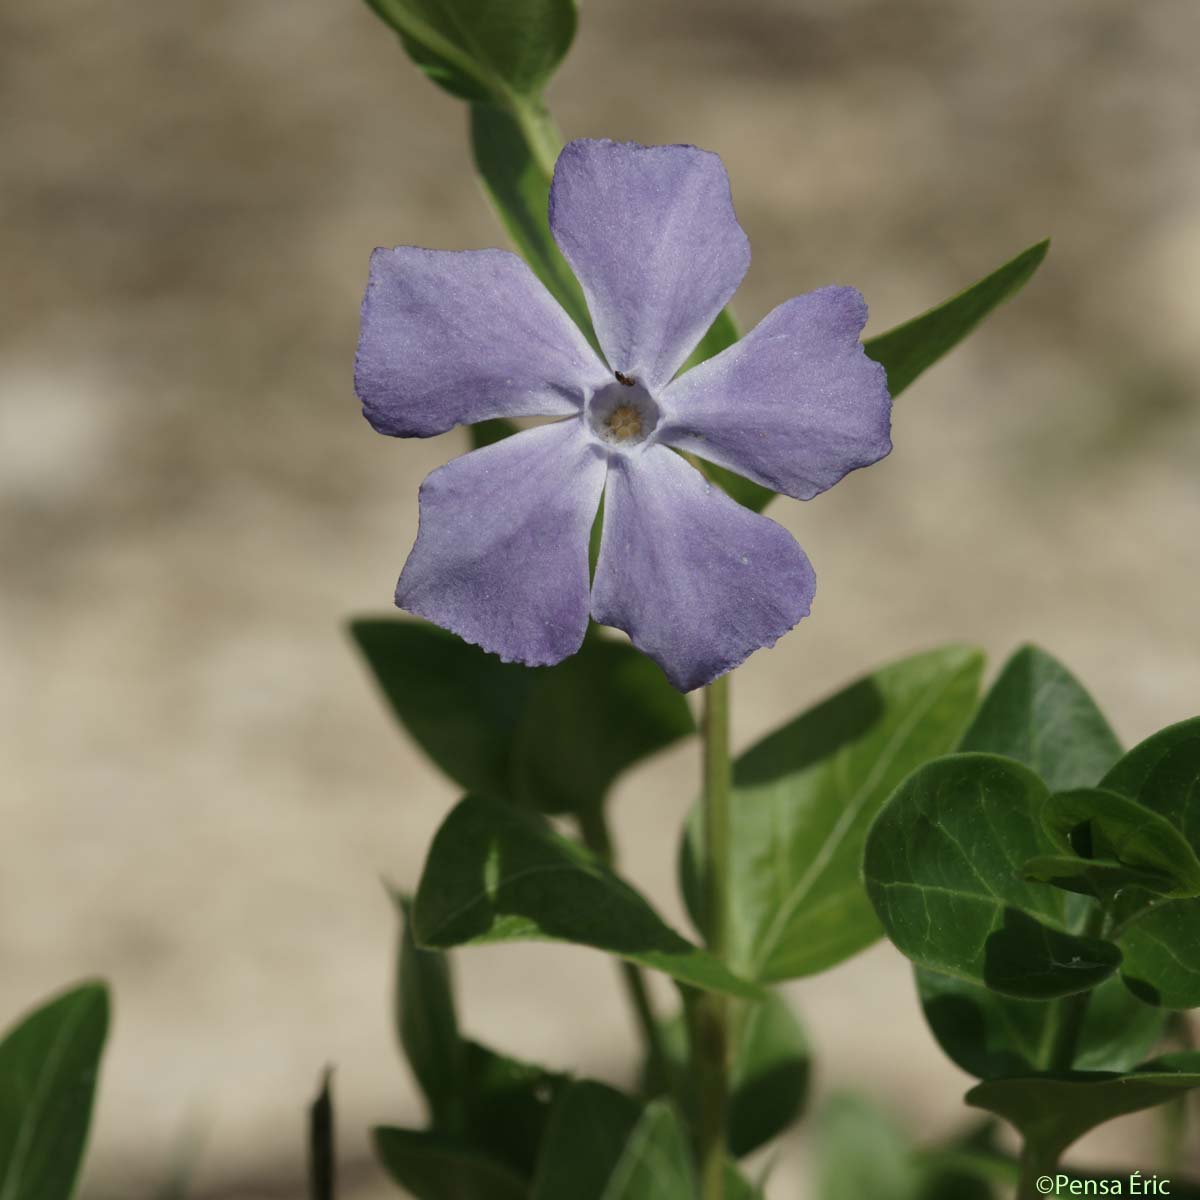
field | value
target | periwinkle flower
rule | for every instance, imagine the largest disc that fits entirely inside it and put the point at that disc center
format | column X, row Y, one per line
column 696, row 580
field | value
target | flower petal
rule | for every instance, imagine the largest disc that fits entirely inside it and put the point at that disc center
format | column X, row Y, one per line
column 501, row 556
column 794, row 405
column 696, row 580
column 450, row 337
column 651, row 235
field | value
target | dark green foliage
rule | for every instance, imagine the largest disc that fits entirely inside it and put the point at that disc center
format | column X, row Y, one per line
column 48, row 1068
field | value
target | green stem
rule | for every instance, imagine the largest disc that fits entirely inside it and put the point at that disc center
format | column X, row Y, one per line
column 709, row 1011
column 539, row 130
column 593, row 827
column 1066, row 1025
column 1035, row 1164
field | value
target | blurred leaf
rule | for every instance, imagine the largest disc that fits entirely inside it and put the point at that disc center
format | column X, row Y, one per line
column 496, row 874
column 990, row 1035
column 771, row 1064
column 585, row 1140
column 508, row 1105
column 427, row 1025
column 862, row 1152
column 1052, row 1111
column 554, row 738
column 48, row 1068
column 436, row 1166
column 804, row 798
column 1038, row 713
column 519, row 189
column 487, row 433
column 483, row 51
column 910, row 349
column 942, row 867
column 769, row 1078
column 603, row 1145
column 321, row 1156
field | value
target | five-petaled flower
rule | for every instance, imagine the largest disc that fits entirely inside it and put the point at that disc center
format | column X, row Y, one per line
column 696, row 580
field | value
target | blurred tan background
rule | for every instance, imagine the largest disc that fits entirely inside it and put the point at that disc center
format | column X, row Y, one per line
column 201, row 791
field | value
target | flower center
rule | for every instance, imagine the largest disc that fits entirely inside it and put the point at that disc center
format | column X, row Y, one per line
column 623, row 413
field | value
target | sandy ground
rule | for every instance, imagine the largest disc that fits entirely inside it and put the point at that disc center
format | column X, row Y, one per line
column 201, row 791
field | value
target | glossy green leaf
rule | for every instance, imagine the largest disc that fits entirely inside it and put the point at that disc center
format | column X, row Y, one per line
column 1104, row 879
column 1052, row 1111
column 1038, row 713
column 768, row 1078
column 519, row 189
column 1126, row 831
column 1163, row 774
column 48, row 1068
column 989, row 1035
column 438, row 1166
column 427, row 1025
column 912, row 348
column 554, row 738
column 804, row 798
column 483, row 51
column 496, row 874
column 1161, row 965
column 943, row 869
column 321, row 1156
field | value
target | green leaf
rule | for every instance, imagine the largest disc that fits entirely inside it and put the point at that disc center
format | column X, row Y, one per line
column 769, row 1079
column 519, row 189
column 554, row 738
column 508, row 1105
column 1038, row 713
column 1127, row 832
column 587, row 720
column 603, row 1145
column 437, row 1166
column 496, row 874
column 1104, row 879
column 493, row 1104
column 989, row 1035
column 585, row 1140
column 427, row 1024
column 910, row 349
column 1052, row 1111
column 1160, row 963
column 804, row 798
column 1163, row 773
column 487, row 433
column 48, row 1068
column 861, row 1152
column 321, row 1157
column 769, row 1076
column 483, row 51
column 942, row 868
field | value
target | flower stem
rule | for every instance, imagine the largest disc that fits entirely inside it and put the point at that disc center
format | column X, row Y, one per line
column 593, row 827
column 709, row 1012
